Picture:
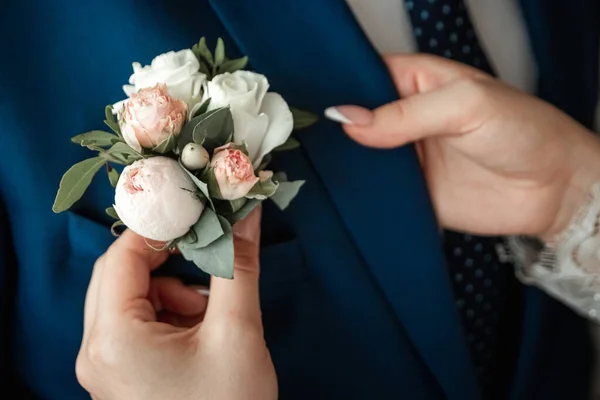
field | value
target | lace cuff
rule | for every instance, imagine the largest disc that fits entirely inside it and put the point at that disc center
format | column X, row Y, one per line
column 568, row 268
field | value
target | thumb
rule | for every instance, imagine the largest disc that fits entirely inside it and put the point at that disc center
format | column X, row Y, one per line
column 238, row 297
column 443, row 111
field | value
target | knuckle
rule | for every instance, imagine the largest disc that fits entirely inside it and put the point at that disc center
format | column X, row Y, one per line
column 83, row 371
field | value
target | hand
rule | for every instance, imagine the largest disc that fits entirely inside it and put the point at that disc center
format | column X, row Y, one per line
column 154, row 338
column 497, row 161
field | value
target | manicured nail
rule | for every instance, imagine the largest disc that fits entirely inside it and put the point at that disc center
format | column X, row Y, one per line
column 203, row 290
column 351, row 115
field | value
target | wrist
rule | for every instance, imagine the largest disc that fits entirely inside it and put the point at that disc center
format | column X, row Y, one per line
column 584, row 171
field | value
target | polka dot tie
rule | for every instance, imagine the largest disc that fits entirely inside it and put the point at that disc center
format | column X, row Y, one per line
column 480, row 282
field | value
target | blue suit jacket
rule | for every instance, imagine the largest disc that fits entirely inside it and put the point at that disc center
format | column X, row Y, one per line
column 356, row 299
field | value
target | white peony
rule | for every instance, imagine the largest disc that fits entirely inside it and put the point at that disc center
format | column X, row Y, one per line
column 261, row 119
column 155, row 198
column 178, row 70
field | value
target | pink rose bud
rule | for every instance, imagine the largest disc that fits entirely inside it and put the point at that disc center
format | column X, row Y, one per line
column 156, row 199
column 150, row 116
column 234, row 172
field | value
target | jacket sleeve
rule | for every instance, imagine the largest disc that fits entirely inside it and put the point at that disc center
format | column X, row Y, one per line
column 8, row 269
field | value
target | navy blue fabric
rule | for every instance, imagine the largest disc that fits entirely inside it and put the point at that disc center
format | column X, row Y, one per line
column 357, row 303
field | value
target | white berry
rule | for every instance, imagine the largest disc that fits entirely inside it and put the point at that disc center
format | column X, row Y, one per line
column 194, row 156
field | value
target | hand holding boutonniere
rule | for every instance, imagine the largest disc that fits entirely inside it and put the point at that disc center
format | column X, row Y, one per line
column 195, row 136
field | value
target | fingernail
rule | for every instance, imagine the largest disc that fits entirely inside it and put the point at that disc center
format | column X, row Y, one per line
column 351, row 115
column 203, row 290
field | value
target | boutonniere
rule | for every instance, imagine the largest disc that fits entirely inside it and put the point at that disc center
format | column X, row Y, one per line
column 195, row 136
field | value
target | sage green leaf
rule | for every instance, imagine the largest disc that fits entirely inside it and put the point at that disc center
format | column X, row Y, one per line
column 303, row 119
column 98, row 138
column 245, row 210
column 280, row 177
column 217, row 258
column 211, row 129
column 166, row 145
column 75, row 181
column 290, row 144
column 233, row 65
column 201, row 51
column 110, row 211
column 208, row 175
column 263, row 189
column 201, row 109
column 113, row 176
column 265, row 161
column 203, row 187
column 285, row 193
column 205, row 69
column 114, row 226
column 219, row 52
column 110, row 120
column 123, row 152
column 205, row 231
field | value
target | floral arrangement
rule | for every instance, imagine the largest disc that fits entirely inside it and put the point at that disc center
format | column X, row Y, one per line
column 195, row 136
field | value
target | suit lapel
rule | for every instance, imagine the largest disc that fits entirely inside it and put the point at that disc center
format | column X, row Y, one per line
column 564, row 39
column 315, row 54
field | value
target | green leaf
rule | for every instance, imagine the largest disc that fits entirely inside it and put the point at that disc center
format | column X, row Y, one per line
column 303, row 119
column 203, row 187
column 245, row 210
column 201, row 109
column 75, row 181
column 263, row 189
column 217, row 258
column 205, row 69
column 110, row 120
column 166, row 145
column 98, row 138
column 123, row 152
column 110, row 211
column 202, row 52
column 219, row 52
column 285, row 193
column 208, row 175
column 211, row 130
column 113, row 176
column 233, row 65
column 290, row 144
column 204, row 232
column 114, row 226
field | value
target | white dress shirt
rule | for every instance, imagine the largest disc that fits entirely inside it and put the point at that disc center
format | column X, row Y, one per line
column 387, row 25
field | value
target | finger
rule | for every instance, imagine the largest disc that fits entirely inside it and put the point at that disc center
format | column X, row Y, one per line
column 447, row 111
column 238, row 297
column 125, row 280
column 420, row 73
column 172, row 295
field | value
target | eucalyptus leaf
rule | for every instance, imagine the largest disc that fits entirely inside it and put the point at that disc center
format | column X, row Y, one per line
column 303, row 119
column 113, row 176
column 208, row 175
column 203, row 187
column 217, row 258
column 110, row 120
column 201, row 109
column 285, row 193
column 245, row 210
column 201, row 51
column 233, row 65
column 219, row 53
column 124, row 152
column 166, row 145
column 211, row 129
column 110, row 211
column 114, row 226
column 290, row 144
column 98, row 138
column 75, row 181
column 205, row 231
column 263, row 189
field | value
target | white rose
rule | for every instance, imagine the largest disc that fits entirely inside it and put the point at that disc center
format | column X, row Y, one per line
column 261, row 119
column 178, row 70
column 155, row 198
